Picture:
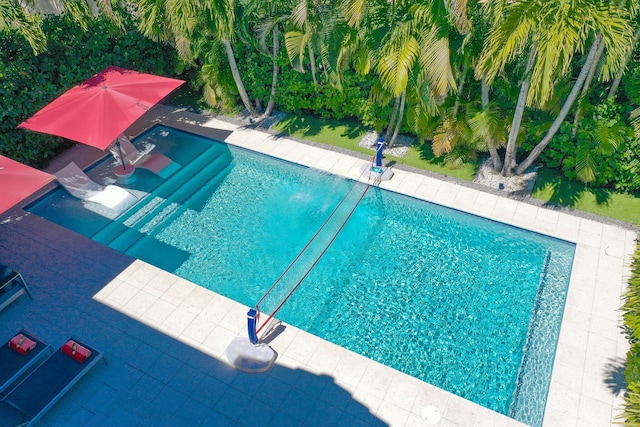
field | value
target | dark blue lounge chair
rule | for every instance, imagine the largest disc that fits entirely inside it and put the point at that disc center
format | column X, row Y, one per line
column 13, row 364
column 26, row 402
column 12, row 286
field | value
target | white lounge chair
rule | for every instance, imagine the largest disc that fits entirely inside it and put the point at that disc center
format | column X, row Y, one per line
column 159, row 164
column 76, row 182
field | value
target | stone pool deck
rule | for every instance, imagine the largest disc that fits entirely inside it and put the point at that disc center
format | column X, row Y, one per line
column 165, row 338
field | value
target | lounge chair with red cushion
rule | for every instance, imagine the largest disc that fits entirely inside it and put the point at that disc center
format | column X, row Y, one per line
column 21, row 352
column 27, row 400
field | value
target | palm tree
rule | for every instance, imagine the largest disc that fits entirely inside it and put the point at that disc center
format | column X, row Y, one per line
column 261, row 19
column 192, row 25
column 465, row 128
column 406, row 44
column 553, row 33
column 616, row 82
column 316, row 26
column 633, row 8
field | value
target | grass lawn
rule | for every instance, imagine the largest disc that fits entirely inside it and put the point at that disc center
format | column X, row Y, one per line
column 345, row 134
column 550, row 187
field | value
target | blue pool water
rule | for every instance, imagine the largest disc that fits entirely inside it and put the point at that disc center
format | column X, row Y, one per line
column 467, row 304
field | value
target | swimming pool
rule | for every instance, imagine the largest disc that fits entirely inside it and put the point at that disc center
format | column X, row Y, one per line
column 466, row 304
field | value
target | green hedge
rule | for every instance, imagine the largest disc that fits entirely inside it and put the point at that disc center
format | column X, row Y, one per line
column 28, row 82
column 296, row 94
column 631, row 315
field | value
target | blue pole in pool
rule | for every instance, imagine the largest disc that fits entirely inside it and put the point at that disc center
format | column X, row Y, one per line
column 379, row 151
column 251, row 325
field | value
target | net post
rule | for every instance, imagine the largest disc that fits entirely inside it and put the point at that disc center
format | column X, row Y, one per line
column 252, row 321
column 379, row 151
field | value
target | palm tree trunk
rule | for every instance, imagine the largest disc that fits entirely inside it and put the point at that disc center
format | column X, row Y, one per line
column 510, row 153
column 463, row 77
column 403, row 98
column 495, row 157
column 276, row 71
column 312, row 60
column 618, row 79
column 568, row 103
column 236, row 77
column 587, row 85
column 394, row 113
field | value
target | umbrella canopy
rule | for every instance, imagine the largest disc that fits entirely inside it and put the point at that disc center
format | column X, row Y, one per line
column 18, row 181
column 99, row 109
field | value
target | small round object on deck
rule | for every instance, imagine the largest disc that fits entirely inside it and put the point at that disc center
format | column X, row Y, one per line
column 431, row 414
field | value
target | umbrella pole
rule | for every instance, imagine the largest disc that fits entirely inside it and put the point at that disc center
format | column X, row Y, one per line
column 124, row 167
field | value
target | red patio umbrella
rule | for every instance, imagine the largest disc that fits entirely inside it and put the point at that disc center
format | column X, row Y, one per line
column 18, row 181
column 99, row 109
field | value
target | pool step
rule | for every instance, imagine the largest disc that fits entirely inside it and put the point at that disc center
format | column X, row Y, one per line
column 518, row 401
column 166, row 187
column 211, row 165
column 176, row 203
column 173, row 204
column 141, row 210
column 167, row 215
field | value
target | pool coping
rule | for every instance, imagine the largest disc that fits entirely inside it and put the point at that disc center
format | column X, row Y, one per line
column 591, row 349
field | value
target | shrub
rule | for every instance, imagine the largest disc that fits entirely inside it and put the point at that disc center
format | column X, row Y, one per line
column 603, row 153
column 631, row 315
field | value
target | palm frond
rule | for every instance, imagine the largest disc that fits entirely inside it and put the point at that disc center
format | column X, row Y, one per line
column 354, row 11
column 421, row 119
column 183, row 17
column 296, row 42
column 453, row 133
column 219, row 16
column 263, row 30
column 489, row 127
column 555, row 51
column 397, row 60
column 420, row 95
column 584, row 166
column 435, row 62
column 507, row 39
column 151, row 14
column 443, row 139
column 78, row 12
column 635, row 121
column 13, row 16
column 395, row 67
column 610, row 136
column 299, row 15
column 618, row 37
column 458, row 11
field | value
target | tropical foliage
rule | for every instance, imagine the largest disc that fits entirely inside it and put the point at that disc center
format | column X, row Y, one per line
column 524, row 82
column 631, row 315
